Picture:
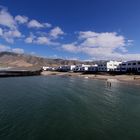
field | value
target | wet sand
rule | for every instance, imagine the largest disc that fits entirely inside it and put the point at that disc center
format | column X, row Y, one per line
column 134, row 79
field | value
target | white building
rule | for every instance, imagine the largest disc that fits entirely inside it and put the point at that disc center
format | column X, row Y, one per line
column 81, row 68
column 127, row 66
column 72, row 67
column 109, row 66
column 102, row 67
column 64, row 68
column 113, row 66
column 93, row 68
column 84, row 67
column 130, row 66
column 46, row 68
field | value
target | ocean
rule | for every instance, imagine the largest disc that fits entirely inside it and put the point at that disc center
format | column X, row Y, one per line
column 68, row 108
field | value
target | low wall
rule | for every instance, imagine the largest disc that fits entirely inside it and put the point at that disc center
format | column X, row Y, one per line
column 8, row 73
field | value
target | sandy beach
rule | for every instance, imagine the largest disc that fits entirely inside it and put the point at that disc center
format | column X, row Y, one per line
column 134, row 79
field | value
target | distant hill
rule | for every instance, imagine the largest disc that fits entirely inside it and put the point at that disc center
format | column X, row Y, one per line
column 27, row 61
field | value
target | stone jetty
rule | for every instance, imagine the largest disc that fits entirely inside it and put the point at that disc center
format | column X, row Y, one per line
column 14, row 73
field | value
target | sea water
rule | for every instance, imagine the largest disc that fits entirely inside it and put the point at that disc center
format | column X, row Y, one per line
column 68, row 108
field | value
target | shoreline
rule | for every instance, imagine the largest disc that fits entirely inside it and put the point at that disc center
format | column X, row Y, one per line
column 133, row 79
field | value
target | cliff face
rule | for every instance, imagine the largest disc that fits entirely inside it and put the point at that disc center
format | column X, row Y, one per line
column 23, row 60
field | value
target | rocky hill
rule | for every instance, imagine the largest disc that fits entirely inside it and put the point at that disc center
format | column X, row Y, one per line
column 27, row 61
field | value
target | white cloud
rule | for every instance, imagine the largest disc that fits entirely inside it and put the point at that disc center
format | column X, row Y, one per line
column 35, row 24
column 47, row 25
column 30, row 38
column 129, row 56
column 6, row 19
column 102, row 46
column 130, row 42
column 56, row 32
column 39, row 40
column 9, row 29
column 21, row 19
column 18, row 50
column 42, row 41
column 108, row 40
column 1, row 32
column 100, row 41
column 10, row 35
column 73, row 58
column 14, row 33
column 71, row 48
column 87, row 34
column 4, row 48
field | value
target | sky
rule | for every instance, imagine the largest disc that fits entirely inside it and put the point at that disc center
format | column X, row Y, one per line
column 71, row 29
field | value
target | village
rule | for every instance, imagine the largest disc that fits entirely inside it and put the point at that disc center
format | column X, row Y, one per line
column 109, row 66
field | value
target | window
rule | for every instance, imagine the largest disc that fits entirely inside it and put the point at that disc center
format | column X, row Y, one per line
column 123, row 64
column 139, row 63
column 129, row 64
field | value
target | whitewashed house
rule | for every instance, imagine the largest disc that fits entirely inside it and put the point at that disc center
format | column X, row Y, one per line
column 130, row 66
column 93, row 68
column 102, row 67
column 77, row 68
column 84, row 67
column 109, row 66
column 72, row 67
column 64, row 68
column 81, row 68
column 46, row 68
column 123, row 66
column 113, row 66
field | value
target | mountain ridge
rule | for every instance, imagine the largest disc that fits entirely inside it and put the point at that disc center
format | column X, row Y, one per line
column 11, row 59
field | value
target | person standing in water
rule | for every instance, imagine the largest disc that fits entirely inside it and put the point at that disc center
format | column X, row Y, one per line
column 108, row 84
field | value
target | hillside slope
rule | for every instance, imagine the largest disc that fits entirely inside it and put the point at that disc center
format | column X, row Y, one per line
column 23, row 60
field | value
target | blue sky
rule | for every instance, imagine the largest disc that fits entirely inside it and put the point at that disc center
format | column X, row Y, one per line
column 71, row 29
